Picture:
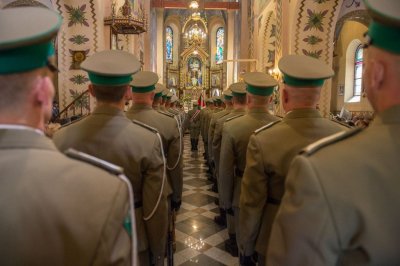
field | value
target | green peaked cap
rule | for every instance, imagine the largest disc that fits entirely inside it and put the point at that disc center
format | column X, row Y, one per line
column 259, row 83
column 159, row 90
column 144, row 81
column 304, row 71
column 384, row 30
column 227, row 95
column 238, row 88
column 111, row 68
column 26, row 35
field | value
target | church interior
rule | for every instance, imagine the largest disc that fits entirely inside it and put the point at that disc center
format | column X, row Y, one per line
column 199, row 48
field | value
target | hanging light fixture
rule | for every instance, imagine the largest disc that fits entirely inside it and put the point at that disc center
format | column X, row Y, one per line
column 194, row 5
column 195, row 35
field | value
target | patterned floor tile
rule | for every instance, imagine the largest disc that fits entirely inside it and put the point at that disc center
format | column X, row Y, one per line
column 198, row 199
column 202, row 260
column 199, row 240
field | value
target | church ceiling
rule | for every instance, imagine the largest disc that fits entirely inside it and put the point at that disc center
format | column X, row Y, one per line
column 184, row 13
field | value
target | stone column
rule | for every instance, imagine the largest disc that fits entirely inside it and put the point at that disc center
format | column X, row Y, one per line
column 160, row 44
column 230, row 32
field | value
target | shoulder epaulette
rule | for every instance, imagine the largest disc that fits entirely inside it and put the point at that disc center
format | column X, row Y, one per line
column 266, row 126
column 73, row 122
column 341, row 123
column 81, row 156
column 233, row 117
column 145, row 126
column 165, row 113
column 316, row 146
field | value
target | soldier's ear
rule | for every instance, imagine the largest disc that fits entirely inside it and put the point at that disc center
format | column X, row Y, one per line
column 91, row 90
column 128, row 93
column 43, row 90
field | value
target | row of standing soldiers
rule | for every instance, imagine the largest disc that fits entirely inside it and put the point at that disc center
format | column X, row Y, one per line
column 146, row 141
column 104, row 189
column 251, row 188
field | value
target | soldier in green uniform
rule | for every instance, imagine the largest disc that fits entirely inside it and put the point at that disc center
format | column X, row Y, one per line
column 163, row 105
column 272, row 148
column 342, row 200
column 157, row 99
column 203, row 115
column 54, row 210
column 143, row 86
column 239, row 101
column 194, row 126
column 109, row 135
column 228, row 108
column 210, row 107
column 235, row 137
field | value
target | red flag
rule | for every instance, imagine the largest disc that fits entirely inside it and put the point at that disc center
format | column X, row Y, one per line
column 200, row 102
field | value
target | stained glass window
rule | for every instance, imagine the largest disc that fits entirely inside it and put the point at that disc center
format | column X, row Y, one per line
column 169, row 44
column 358, row 69
column 219, row 56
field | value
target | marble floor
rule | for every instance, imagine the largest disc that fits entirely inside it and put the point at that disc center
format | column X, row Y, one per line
column 199, row 241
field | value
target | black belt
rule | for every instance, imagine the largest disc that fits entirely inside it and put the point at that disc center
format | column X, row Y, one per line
column 138, row 204
column 238, row 173
column 273, row 201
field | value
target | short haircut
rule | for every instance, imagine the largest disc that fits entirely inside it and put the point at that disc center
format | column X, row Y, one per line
column 111, row 94
column 240, row 99
column 260, row 100
column 14, row 88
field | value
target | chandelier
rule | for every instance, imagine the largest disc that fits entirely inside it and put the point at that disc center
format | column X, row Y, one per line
column 195, row 35
column 194, row 5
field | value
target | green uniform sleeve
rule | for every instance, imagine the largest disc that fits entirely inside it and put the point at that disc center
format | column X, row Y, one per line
column 303, row 232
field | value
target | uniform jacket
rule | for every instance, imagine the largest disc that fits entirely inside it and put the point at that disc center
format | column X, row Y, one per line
column 269, row 155
column 203, row 114
column 55, row 210
column 208, row 121
column 218, row 134
column 235, row 137
column 342, row 201
column 194, row 123
column 211, row 128
column 169, row 132
column 109, row 135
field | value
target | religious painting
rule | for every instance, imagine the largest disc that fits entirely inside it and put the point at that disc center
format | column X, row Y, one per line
column 172, row 80
column 216, row 80
column 194, row 75
column 219, row 56
column 169, row 44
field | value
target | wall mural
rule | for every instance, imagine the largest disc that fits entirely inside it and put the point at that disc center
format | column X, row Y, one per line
column 278, row 43
column 77, row 39
column 314, row 34
column 269, row 42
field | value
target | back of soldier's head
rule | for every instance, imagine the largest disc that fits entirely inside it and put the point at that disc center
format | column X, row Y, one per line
column 303, row 78
column 25, row 50
column 110, row 73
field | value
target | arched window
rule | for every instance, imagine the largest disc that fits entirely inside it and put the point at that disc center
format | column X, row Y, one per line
column 219, row 56
column 169, row 44
column 358, row 69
